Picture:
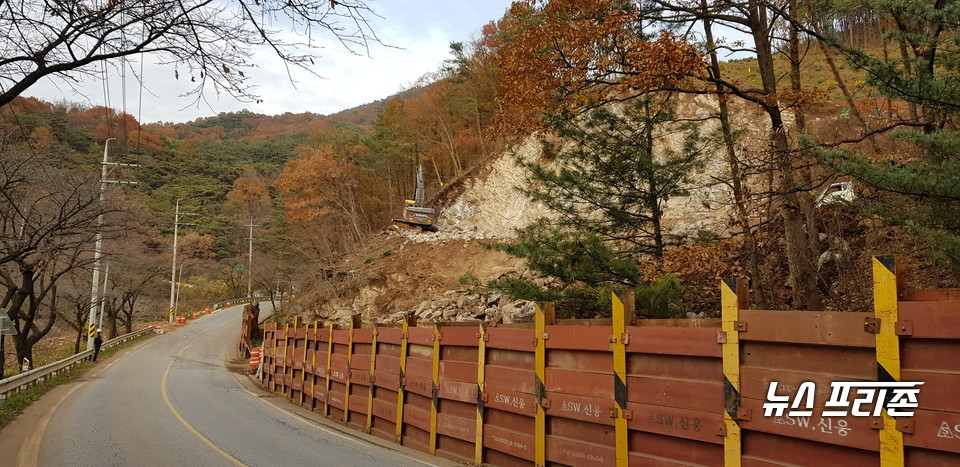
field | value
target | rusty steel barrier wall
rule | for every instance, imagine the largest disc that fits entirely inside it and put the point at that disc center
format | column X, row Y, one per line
column 624, row 391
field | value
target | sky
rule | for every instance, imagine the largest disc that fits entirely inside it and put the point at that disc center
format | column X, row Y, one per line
column 419, row 32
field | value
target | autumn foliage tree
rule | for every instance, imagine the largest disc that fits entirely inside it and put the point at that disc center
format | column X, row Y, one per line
column 560, row 57
column 319, row 196
column 249, row 198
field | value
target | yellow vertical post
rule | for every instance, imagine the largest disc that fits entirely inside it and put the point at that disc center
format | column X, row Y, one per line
column 373, row 367
column 403, row 368
column 303, row 373
column 286, row 342
column 326, row 392
column 623, row 313
column 888, row 351
column 313, row 364
column 435, row 405
column 293, row 356
column 544, row 316
column 481, row 363
column 276, row 356
column 730, row 315
column 346, row 383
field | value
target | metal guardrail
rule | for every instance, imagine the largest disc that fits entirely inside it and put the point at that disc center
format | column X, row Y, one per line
column 20, row 382
column 237, row 301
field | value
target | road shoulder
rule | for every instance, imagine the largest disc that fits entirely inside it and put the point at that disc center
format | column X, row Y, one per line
column 251, row 385
column 26, row 431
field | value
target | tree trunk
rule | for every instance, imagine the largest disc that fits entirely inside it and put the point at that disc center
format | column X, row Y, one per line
column 24, row 350
column 908, row 69
column 656, row 213
column 802, row 268
column 736, row 178
column 807, row 205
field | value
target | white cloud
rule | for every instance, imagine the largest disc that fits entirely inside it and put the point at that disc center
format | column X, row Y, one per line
column 420, row 32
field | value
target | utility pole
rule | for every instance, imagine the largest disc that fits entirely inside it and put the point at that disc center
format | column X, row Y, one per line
column 176, row 304
column 97, row 252
column 103, row 297
column 250, row 259
column 173, row 270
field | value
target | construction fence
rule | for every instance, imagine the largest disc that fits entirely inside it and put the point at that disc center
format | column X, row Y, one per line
column 624, row 391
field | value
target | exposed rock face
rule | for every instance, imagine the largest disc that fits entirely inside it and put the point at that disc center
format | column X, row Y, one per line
column 420, row 272
column 461, row 305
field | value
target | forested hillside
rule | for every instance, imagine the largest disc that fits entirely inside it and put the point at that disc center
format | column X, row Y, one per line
column 571, row 148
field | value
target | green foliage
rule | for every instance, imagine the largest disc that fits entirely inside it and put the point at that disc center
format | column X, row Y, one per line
column 208, row 291
column 945, row 246
column 468, row 279
column 615, row 178
column 520, row 289
column 665, row 298
column 707, row 236
column 607, row 190
column 572, row 256
column 662, row 299
column 919, row 190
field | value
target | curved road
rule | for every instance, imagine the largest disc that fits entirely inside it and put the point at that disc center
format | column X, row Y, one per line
column 171, row 401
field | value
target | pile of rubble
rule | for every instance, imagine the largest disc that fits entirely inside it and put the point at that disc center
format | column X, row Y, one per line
column 462, row 305
column 450, row 232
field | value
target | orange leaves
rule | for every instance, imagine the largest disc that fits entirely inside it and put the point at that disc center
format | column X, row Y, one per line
column 560, row 56
column 42, row 139
column 249, row 197
column 310, row 183
column 139, row 139
column 194, row 245
column 702, row 264
column 247, row 189
column 800, row 100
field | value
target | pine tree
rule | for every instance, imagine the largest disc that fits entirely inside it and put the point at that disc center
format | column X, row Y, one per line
column 617, row 174
column 606, row 187
column 921, row 189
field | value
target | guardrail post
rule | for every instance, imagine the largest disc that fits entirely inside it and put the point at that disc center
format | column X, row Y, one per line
column 303, row 372
column 623, row 313
column 888, row 351
column 286, row 339
column 435, row 399
column 276, row 355
column 354, row 323
column 733, row 296
column 481, row 363
column 373, row 367
column 545, row 314
column 313, row 366
column 326, row 393
column 293, row 357
column 405, row 328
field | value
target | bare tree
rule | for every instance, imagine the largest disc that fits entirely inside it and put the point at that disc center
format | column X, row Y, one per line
column 74, row 304
column 210, row 42
column 46, row 230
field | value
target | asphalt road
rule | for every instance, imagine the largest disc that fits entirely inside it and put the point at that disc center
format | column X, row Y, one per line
column 172, row 401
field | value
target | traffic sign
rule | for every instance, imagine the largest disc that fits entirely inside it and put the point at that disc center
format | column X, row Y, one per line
column 6, row 325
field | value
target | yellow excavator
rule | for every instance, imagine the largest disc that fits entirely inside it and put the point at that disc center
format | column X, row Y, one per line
column 415, row 214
